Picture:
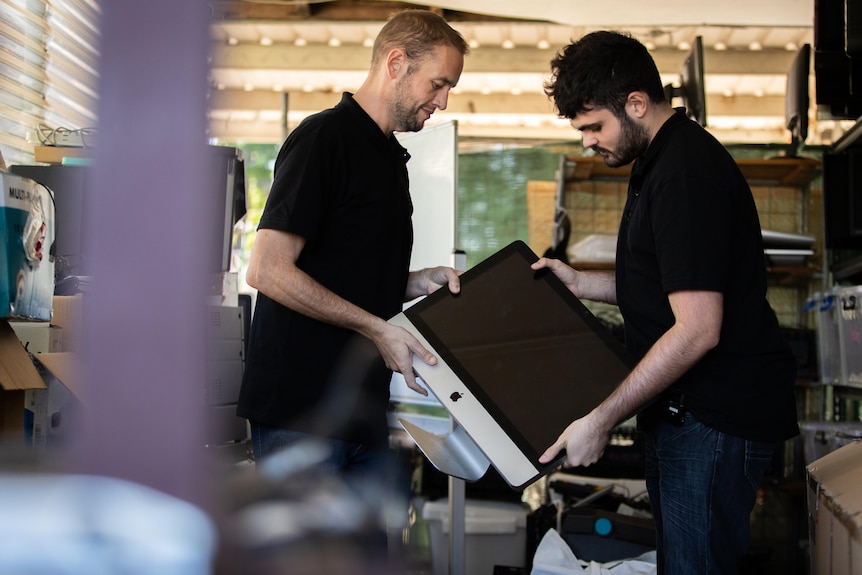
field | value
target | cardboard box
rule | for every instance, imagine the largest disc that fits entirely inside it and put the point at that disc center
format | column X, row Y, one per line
column 17, row 376
column 68, row 314
column 56, row 408
column 27, row 223
column 38, row 336
column 224, row 289
column 56, row 154
column 835, row 511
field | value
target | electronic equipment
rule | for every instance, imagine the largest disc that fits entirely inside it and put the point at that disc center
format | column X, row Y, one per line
column 519, row 358
column 797, row 100
column 226, row 179
column 69, row 185
column 842, row 201
column 838, row 58
column 692, row 88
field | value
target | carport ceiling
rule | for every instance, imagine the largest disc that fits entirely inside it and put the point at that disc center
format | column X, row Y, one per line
column 276, row 61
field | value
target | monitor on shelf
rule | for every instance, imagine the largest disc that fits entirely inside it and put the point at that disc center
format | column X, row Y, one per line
column 842, row 201
column 692, row 88
column 226, row 179
column 562, row 224
column 838, row 59
column 797, row 100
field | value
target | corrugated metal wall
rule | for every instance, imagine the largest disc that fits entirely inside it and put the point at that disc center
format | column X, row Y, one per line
column 49, row 52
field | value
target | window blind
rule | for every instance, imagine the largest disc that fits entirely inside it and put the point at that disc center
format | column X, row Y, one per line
column 48, row 69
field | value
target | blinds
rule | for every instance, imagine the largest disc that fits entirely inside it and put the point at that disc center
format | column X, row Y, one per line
column 48, row 70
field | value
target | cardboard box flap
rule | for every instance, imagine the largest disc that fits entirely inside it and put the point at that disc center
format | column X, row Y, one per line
column 65, row 366
column 16, row 368
column 836, row 478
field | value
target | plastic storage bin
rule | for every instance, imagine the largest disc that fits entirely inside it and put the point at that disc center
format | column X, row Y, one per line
column 823, row 437
column 849, row 302
column 495, row 534
column 826, row 307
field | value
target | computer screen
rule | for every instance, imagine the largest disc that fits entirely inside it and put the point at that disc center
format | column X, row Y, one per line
column 692, row 83
column 226, row 181
column 523, row 345
column 796, row 99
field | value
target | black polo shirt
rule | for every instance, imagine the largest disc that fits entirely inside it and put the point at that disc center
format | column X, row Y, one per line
column 341, row 184
column 690, row 223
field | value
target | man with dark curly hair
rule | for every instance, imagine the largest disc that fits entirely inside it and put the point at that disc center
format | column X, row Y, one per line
column 714, row 380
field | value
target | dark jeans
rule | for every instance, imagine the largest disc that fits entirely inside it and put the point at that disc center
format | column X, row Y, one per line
column 702, row 486
column 375, row 473
column 366, row 468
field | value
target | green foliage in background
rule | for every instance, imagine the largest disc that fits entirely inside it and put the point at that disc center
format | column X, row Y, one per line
column 259, row 162
column 491, row 202
column 492, row 197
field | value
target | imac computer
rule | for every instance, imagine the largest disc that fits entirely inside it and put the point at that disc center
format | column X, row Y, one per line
column 519, row 358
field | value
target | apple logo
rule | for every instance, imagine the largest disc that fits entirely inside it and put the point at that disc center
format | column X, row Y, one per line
column 456, row 395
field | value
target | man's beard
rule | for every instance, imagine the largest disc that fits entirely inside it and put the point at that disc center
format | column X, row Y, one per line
column 404, row 118
column 633, row 142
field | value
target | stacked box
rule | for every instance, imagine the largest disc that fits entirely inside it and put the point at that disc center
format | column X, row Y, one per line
column 27, row 220
column 227, row 434
column 835, row 511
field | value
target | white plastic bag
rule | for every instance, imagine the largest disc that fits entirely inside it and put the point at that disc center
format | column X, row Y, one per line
column 555, row 557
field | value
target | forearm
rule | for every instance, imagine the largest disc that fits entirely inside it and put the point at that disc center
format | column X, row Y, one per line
column 676, row 352
column 414, row 286
column 298, row 291
column 598, row 286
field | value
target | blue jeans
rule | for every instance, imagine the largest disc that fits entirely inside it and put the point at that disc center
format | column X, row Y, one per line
column 361, row 466
column 375, row 473
column 702, row 486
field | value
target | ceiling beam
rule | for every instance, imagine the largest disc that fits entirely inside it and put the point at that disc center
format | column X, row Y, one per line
column 263, row 51
column 270, row 131
column 484, row 59
column 471, row 103
column 609, row 13
column 617, row 13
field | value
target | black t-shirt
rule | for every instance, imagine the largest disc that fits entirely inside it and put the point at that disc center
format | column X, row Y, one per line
column 342, row 185
column 690, row 223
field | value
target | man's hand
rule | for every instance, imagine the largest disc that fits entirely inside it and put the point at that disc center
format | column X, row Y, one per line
column 398, row 346
column 429, row 280
column 583, row 440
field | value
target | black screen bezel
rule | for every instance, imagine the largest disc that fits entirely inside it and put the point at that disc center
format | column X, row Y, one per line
column 520, row 250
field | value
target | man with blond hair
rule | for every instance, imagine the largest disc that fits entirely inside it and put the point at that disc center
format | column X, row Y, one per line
column 331, row 260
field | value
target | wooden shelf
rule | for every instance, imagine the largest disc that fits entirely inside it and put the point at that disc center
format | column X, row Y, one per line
column 790, row 276
column 776, row 171
column 779, row 171
column 784, row 276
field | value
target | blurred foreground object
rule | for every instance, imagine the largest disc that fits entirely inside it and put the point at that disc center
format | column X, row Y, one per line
column 75, row 524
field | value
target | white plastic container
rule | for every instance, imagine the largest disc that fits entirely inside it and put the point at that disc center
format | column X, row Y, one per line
column 495, row 534
column 826, row 306
column 595, row 248
column 850, row 334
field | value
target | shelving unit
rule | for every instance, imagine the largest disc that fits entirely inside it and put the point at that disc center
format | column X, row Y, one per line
column 587, row 177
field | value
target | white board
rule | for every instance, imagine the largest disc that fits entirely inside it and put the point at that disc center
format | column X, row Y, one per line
column 433, row 171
